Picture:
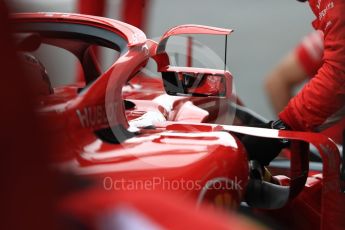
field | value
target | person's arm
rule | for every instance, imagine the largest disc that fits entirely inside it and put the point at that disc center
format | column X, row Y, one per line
column 297, row 66
column 325, row 93
column 283, row 79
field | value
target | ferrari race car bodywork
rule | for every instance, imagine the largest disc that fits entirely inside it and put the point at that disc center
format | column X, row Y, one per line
column 160, row 136
column 192, row 160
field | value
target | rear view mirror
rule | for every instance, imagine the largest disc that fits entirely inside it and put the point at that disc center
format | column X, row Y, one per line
column 196, row 82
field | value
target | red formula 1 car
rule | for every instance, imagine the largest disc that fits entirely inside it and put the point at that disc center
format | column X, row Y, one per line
column 125, row 131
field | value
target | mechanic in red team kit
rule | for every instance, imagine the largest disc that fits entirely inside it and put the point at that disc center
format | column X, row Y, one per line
column 322, row 100
column 294, row 69
column 299, row 65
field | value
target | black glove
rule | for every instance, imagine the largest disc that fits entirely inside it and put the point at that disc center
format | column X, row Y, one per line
column 262, row 149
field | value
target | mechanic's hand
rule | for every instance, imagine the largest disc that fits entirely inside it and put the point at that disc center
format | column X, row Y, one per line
column 264, row 150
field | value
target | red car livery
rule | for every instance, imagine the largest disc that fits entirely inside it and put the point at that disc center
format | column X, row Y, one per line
column 125, row 131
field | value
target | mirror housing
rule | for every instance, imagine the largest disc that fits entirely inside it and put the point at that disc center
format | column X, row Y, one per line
column 197, row 82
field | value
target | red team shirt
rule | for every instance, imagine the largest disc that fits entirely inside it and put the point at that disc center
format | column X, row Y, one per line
column 309, row 54
column 324, row 96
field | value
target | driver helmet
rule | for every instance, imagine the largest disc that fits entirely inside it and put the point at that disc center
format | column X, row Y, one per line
column 37, row 74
